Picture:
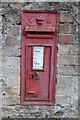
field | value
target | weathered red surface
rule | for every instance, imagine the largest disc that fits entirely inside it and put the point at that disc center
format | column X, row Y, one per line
column 39, row 28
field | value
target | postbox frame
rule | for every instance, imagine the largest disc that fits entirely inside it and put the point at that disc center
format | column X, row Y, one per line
column 23, row 89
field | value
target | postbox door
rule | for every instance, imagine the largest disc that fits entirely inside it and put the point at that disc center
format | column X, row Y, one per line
column 38, row 67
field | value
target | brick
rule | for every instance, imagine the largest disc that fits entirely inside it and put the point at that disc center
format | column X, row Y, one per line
column 68, row 70
column 12, row 91
column 9, row 71
column 0, row 31
column 68, row 49
column 66, row 39
column 0, row 100
column 11, row 66
column 66, row 28
column 8, row 108
column 0, row 90
column 78, row 29
column 67, row 60
column 1, row 113
column 10, row 100
column 1, row 50
column 0, row 70
column 63, row 81
column 78, row 50
column 66, row 91
column 19, row 107
column 0, row 20
column 11, row 51
column 62, row 100
column 12, row 81
column 12, row 41
column 78, row 60
column 14, row 72
column 1, row 60
column 11, row 61
column 66, row 17
column 13, row 30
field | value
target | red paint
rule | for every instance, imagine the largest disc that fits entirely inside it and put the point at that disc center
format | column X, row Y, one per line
column 39, row 28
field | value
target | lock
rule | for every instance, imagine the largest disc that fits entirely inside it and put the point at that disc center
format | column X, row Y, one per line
column 33, row 76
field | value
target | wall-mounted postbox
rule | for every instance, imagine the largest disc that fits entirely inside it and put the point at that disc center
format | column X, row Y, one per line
column 38, row 57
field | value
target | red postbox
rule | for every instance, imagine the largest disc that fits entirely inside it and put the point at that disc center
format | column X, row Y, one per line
column 38, row 57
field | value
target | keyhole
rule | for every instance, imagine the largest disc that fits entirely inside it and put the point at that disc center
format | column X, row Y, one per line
column 32, row 77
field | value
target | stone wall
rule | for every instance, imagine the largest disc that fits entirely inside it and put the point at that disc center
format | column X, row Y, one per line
column 66, row 96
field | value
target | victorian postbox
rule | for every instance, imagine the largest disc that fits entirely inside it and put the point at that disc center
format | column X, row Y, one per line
column 38, row 57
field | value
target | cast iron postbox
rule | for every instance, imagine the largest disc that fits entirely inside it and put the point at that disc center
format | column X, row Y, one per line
column 38, row 57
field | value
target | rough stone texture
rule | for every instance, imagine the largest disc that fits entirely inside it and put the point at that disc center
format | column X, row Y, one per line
column 66, row 94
